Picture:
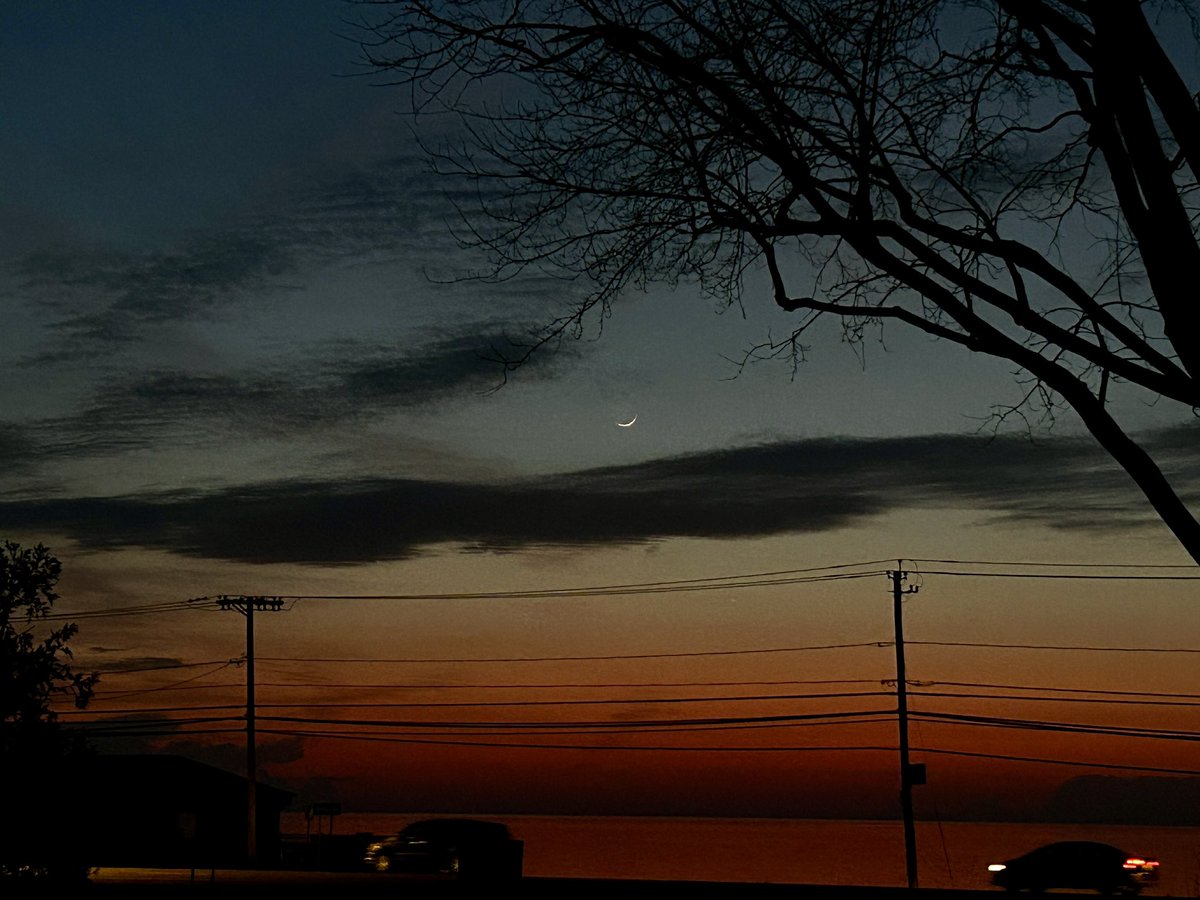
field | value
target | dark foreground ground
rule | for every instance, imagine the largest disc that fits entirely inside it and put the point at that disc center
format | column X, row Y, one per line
column 232, row 884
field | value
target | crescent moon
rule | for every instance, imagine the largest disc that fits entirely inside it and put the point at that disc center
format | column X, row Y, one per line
column 627, row 424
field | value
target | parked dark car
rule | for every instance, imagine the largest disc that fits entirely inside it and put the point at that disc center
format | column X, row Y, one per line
column 1076, row 864
column 463, row 848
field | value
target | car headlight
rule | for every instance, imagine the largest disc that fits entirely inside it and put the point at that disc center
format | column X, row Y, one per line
column 997, row 867
column 374, row 848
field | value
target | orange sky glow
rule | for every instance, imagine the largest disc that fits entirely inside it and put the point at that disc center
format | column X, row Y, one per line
column 725, row 701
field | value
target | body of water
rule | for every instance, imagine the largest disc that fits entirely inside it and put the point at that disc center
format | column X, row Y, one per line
column 804, row 851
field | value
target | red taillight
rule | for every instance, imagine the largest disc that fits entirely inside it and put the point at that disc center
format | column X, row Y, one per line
column 1135, row 862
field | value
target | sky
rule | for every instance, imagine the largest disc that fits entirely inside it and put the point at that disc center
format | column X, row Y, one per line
column 240, row 357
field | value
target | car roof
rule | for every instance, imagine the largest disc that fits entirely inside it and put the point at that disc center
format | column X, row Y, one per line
column 1082, row 844
column 1071, row 847
column 456, row 826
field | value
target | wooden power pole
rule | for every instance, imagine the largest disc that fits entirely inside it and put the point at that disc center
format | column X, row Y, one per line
column 909, row 774
column 246, row 606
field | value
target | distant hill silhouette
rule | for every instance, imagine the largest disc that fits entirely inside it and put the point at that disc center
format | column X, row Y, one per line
column 1142, row 800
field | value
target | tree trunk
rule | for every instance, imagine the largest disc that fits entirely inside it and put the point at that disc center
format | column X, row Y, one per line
column 1136, row 461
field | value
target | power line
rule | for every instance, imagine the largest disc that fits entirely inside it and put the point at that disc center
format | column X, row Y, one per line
column 604, row 657
column 1028, row 687
column 185, row 685
column 782, row 577
column 1059, row 576
column 1128, row 767
column 157, row 726
column 472, row 730
column 146, row 710
column 120, row 611
column 1064, row 727
column 583, row 685
column 514, row 745
column 1050, row 565
column 163, row 667
column 1028, row 699
column 721, row 582
column 1002, row 646
column 618, row 729
column 573, row 685
column 110, row 695
column 593, row 725
column 161, row 732
column 1125, row 699
column 102, row 694
column 472, row 704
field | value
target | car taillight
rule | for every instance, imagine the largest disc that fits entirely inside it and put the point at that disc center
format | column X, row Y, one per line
column 1135, row 862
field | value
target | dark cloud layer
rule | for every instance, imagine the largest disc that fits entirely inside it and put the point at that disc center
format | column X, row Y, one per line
column 806, row 486
column 355, row 383
column 96, row 299
column 17, row 448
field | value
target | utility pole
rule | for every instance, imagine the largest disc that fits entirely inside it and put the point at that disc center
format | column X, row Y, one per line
column 909, row 774
column 246, row 606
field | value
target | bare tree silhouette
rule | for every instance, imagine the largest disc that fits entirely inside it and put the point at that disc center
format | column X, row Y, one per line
column 1017, row 177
